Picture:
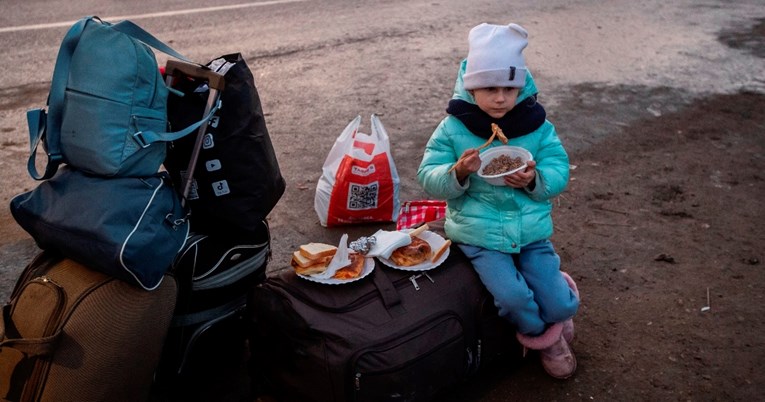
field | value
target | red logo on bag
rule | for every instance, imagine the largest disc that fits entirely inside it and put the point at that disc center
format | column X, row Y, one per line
column 363, row 172
column 368, row 148
column 363, row 191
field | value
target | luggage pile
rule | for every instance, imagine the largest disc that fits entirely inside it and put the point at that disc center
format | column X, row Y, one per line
column 137, row 264
column 152, row 280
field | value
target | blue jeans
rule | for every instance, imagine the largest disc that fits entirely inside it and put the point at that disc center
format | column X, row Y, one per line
column 528, row 288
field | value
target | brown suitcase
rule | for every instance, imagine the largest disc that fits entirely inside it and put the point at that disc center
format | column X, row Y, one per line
column 70, row 333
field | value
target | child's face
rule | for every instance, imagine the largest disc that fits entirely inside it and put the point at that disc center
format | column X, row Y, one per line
column 495, row 101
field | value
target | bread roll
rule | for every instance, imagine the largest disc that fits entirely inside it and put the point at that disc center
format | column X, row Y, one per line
column 412, row 254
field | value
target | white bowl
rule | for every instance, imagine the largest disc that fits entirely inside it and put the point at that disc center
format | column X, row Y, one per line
column 511, row 151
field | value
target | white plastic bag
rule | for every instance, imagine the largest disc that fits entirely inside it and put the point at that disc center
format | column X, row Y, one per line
column 359, row 181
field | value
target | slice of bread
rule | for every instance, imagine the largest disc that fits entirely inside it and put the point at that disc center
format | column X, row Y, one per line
column 303, row 261
column 441, row 250
column 314, row 251
column 310, row 270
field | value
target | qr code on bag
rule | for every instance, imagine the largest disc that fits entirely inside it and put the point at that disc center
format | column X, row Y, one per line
column 363, row 196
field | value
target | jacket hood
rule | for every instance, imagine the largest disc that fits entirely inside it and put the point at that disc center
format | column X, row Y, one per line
column 529, row 89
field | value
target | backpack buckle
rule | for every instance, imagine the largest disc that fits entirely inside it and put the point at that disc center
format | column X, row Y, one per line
column 140, row 140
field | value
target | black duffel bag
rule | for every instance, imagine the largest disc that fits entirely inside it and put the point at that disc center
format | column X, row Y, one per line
column 237, row 177
column 392, row 336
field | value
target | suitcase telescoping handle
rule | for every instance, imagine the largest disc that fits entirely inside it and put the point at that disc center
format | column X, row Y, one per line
column 215, row 82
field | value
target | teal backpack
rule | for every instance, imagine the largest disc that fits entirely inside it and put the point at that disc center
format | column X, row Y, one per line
column 107, row 106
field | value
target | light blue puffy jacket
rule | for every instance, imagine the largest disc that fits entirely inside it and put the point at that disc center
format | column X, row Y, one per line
column 494, row 217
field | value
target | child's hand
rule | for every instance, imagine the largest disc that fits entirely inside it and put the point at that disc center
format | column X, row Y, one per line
column 522, row 178
column 468, row 163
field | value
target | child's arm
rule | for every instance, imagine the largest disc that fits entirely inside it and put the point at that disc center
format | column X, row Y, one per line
column 438, row 158
column 552, row 166
column 468, row 163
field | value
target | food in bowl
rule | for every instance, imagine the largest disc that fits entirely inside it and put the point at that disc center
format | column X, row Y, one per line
column 502, row 164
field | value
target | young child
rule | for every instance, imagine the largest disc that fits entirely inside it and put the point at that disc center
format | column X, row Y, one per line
column 505, row 230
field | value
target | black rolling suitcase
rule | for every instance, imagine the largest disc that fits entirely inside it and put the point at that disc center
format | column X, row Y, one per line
column 206, row 347
column 392, row 336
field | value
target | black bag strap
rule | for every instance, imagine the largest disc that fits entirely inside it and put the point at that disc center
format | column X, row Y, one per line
column 388, row 293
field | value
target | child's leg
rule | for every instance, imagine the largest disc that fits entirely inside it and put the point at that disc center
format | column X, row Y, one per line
column 540, row 266
column 512, row 295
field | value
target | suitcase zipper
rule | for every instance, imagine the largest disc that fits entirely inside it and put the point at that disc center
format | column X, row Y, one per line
column 366, row 298
column 229, row 254
column 234, row 274
column 46, row 263
column 40, row 367
column 96, row 96
column 61, row 302
column 414, row 278
column 224, row 312
column 42, row 260
column 388, row 342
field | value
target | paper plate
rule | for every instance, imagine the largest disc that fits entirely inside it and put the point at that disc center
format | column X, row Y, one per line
column 369, row 266
column 436, row 241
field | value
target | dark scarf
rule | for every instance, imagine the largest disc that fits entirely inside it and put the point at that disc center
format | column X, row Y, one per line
column 525, row 117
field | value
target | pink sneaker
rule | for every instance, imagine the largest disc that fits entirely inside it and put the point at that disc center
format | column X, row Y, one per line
column 558, row 360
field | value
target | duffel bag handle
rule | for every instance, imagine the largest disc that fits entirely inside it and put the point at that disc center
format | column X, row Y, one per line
column 30, row 347
column 388, row 293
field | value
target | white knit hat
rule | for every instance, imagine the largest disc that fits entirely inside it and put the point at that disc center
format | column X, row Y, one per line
column 495, row 56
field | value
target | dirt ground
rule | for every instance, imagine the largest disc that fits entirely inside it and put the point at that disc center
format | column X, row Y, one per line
column 661, row 229
column 655, row 219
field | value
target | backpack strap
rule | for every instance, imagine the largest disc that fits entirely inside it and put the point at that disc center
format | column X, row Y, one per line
column 146, row 138
column 136, row 32
column 36, row 121
column 47, row 127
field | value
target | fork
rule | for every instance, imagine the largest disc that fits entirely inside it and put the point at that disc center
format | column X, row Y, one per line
column 495, row 132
